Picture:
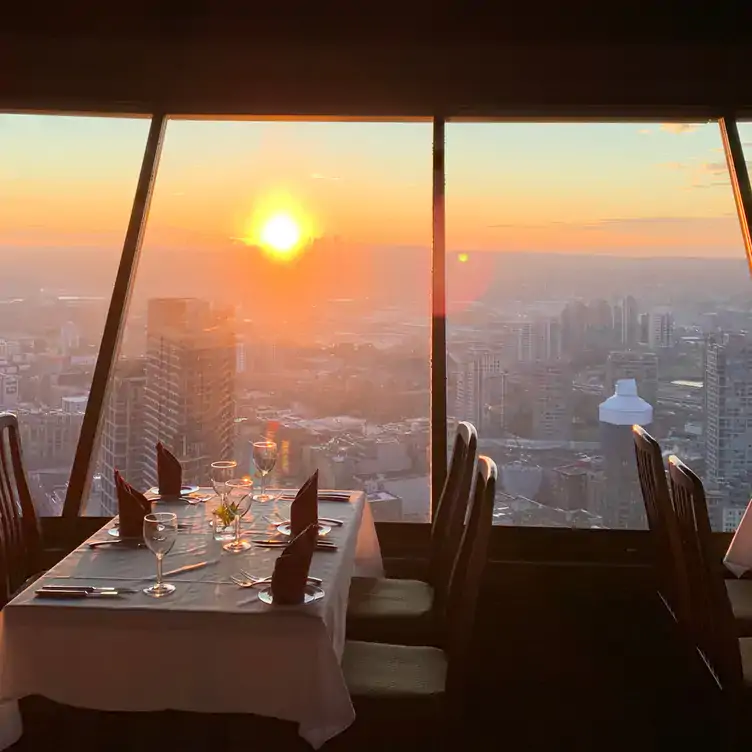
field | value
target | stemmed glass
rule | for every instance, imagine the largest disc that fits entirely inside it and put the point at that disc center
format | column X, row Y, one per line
column 240, row 497
column 221, row 473
column 264, row 458
column 160, row 533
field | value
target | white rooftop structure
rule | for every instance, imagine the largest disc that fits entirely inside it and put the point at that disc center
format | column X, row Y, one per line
column 625, row 407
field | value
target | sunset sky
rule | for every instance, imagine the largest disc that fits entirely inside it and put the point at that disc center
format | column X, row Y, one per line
column 627, row 189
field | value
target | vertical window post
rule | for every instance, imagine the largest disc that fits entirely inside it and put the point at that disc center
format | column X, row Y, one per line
column 80, row 477
column 438, row 321
column 739, row 176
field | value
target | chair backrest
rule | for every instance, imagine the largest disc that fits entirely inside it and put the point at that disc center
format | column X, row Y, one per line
column 449, row 517
column 467, row 577
column 19, row 532
column 712, row 628
column 662, row 521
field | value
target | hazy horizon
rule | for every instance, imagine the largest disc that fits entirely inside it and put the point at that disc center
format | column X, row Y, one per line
column 603, row 189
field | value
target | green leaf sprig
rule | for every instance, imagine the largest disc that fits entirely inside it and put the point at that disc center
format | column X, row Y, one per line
column 226, row 513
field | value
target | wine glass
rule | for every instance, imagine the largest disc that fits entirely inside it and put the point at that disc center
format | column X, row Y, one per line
column 221, row 473
column 239, row 501
column 264, row 458
column 160, row 533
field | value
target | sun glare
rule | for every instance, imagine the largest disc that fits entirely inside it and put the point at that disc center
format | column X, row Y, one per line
column 280, row 233
column 281, row 227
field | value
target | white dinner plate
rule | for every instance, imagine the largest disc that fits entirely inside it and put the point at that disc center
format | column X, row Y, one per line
column 312, row 593
column 285, row 529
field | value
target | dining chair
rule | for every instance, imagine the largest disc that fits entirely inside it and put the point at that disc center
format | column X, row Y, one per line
column 663, row 530
column 399, row 689
column 661, row 520
column 408, row 611
column 20, row 539
column 712, row 627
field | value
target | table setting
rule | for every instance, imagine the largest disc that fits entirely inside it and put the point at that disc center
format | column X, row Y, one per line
column 175, row 580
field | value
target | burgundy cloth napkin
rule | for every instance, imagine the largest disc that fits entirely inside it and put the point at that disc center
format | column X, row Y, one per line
column 304, row 510
column 291, row 569
column 133, row 506
column 169, row 472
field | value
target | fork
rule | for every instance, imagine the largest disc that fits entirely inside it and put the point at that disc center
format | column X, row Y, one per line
column 243, row 583
column 264, row 580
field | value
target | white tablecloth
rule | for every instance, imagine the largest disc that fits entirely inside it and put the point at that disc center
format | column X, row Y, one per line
column 738, row 558
column 210, row 647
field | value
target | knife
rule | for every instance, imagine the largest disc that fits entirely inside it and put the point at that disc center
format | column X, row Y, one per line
column 323, row 520
column 90, row 589
column 125, row 542
column 53, row 593
column 324, row 545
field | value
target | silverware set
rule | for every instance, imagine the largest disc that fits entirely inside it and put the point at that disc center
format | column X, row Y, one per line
column 321, row 545
column 323, row 495
column 82, row 591
column 247, row 580
column 119, row 542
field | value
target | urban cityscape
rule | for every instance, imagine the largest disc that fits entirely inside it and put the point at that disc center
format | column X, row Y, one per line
column 561, row 333
column 536, row 376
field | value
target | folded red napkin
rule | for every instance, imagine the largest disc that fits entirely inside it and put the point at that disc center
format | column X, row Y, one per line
column 133, row 506
column 304, row 510
column 169, row 472
column 291, row 569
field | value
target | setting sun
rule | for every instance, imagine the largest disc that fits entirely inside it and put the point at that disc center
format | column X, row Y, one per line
column 280, row 233
column 281, row 226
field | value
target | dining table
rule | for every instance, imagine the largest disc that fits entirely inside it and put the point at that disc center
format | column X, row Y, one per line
column 189, row 651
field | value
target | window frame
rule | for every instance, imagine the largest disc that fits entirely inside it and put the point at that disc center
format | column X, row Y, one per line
column 82, row 468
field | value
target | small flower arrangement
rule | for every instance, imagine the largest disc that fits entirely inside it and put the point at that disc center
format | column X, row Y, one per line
column 226, row 513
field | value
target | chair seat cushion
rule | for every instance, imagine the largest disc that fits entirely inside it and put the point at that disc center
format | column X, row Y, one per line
column 745, row 650
column 740, row 596
column 394, row 672
column 392, row 611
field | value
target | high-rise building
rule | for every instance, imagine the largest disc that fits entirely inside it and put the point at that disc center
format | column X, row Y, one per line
column 622, row 505
column 657, row 328
column 123, row 432
column 479, row 391
column 574, row 324
column 728, row 412
column 551, row 393
column 189, row 398
column 546, row 336
column 630, row 364
column 626, row 322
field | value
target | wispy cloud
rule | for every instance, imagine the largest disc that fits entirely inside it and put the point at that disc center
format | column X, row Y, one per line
column 714, row 168
column 319, row 176
column 644, row 131
column 678, row 127
column 674, row 165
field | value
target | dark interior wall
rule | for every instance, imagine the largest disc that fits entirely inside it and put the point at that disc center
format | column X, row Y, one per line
column 407, row 63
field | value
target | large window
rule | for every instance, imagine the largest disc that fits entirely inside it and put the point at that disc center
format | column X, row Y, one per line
column 282, row 290
column 587, row 261
column 595, row 278
column 66, row 189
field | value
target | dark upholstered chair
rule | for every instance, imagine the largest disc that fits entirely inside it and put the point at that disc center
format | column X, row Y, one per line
column 663, row 528
column 411, row 612
column 20, row 540
column 400, row 689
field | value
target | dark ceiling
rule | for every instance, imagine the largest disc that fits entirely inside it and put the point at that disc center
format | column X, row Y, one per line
column 413, row 59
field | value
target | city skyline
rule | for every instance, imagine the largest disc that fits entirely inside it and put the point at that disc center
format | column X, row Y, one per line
column 627, row 189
